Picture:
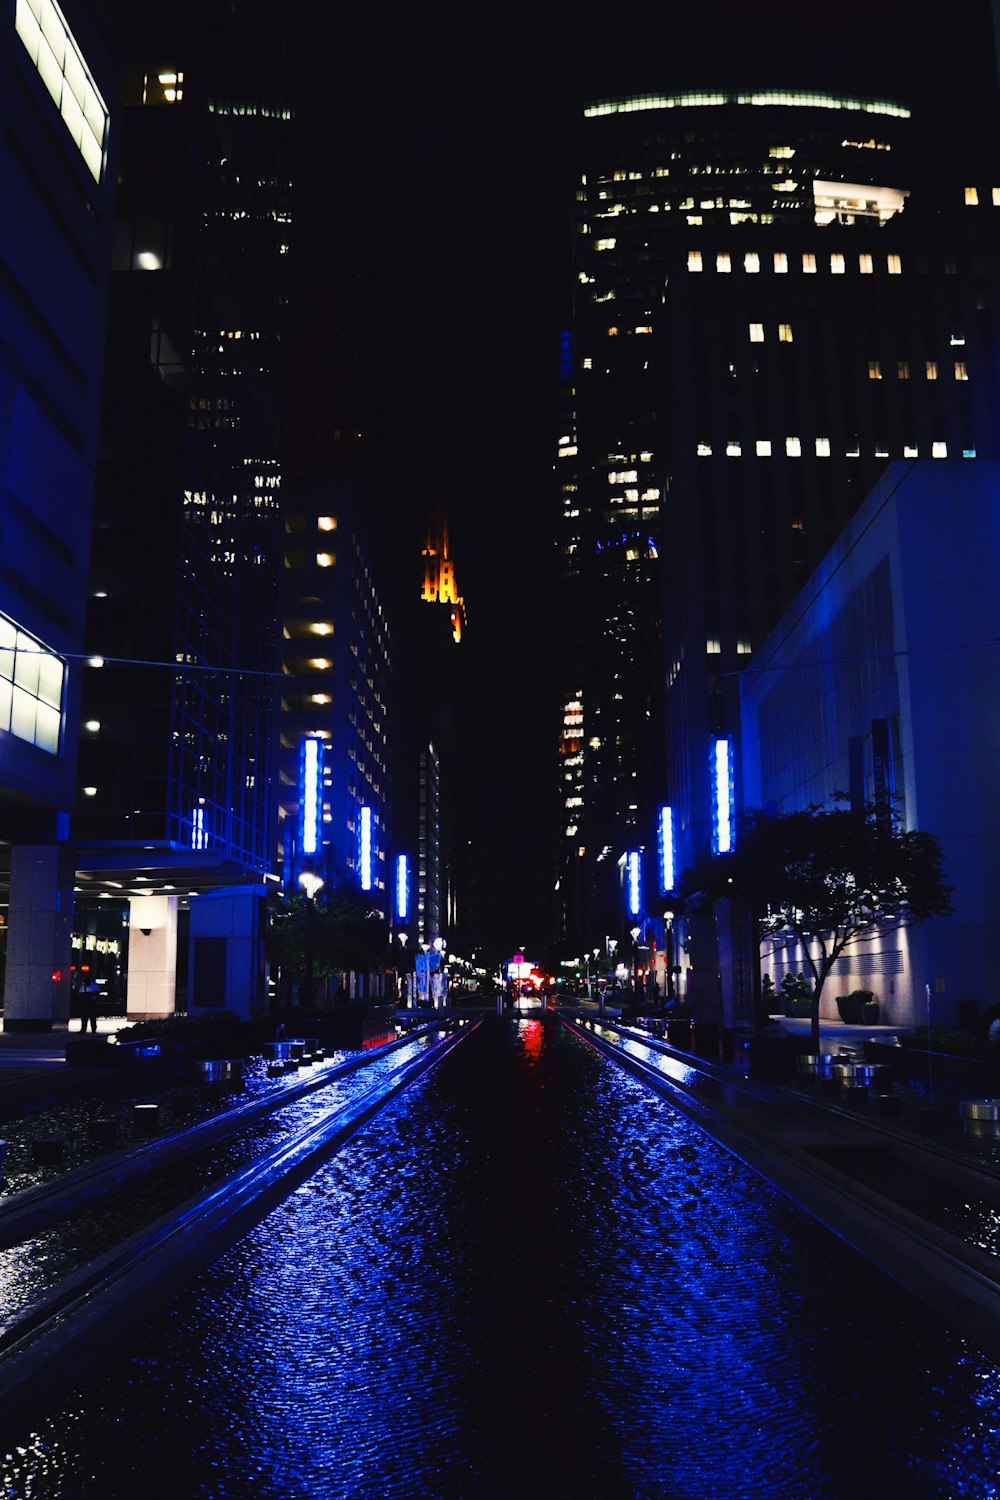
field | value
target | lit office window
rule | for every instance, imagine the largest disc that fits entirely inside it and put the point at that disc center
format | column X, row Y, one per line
column 809, row 264
column 968, row 452
column 930, row 369
column 780, row 263
column 995, row 193
column 733, row 450
column 763, row 448
column 910, row 450
column 972, row 196
column 325, row 559
column 866, row 265
column 694, row 260
column 874, row 370
column 605, row 244
column 961, row 370
column 52, row 48
column 713, row 646
column 756, row 333
column 723, row 262
column 793, row 447
column 939, row 450
column 822, row 447
column 903, row 369
column 784, row 333
column 751, row 263
column 704, row 450
column 31, row 688
column 894, row 265
column 837, row 264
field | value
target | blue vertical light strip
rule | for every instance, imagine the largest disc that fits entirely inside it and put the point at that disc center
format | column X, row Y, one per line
column 199, row 838
column 722, row 796
column 632, row 869
column 365, row 848
column 668, row 874
column 402, row 887
column 310, row 787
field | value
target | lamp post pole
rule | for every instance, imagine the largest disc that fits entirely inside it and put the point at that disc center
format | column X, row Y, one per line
column 312, row 885
column 635, row 933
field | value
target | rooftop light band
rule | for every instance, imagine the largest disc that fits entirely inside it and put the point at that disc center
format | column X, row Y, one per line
column 639, row 102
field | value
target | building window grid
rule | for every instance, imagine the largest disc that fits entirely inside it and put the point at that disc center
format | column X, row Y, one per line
column 59, row 62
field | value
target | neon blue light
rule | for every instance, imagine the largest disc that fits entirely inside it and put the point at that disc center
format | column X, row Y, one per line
column 632, row 865
column 402, row 887
column 365, row 848
column 310, row 792
column 722, row 796
column 668, row 874
column 199, row 838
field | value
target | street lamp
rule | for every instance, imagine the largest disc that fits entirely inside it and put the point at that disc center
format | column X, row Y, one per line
column 668, row 954
column 403, row 938
column 311, row 884
column 634, row 933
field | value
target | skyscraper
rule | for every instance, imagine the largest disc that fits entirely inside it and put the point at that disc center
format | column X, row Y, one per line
column 776, row 295
column 178, row 783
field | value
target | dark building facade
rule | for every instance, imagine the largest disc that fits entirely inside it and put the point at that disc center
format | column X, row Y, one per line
column 57, row 186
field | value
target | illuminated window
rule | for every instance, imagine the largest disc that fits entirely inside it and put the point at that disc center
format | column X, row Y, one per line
column 894, row 265
column 793, row 447
column 930, row 369
column 972, row 195
column 903, row 369
column 763, row 448
column 784, row 333
column 713, row 646
column 866, row 265
column 325, row 560
column 910, row 450
column 704, row 450
column 939, row 450
column 809, row 264
column 612, row 331
column 751, row 262
column 644, row 328
column 326, row 523
column 694, row 260
column 996, row 197
column 756, row 333
column 961, row 370
column 733, row 450
column 968, row 452
column 31, row 688
column 723, row 262
column 822, row 447
column 743, row 647
column 780, row 263
column 605, row 244
column 837, row 265
column 52, row 48
column 874, row 370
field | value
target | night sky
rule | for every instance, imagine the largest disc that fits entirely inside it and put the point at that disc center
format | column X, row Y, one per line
column 443, row 136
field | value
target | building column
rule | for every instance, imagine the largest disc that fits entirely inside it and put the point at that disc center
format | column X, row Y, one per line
column 39, row 940
column 152, row 957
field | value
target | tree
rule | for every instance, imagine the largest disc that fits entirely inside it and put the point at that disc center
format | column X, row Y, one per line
column 335, row 933
column 826, row 877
